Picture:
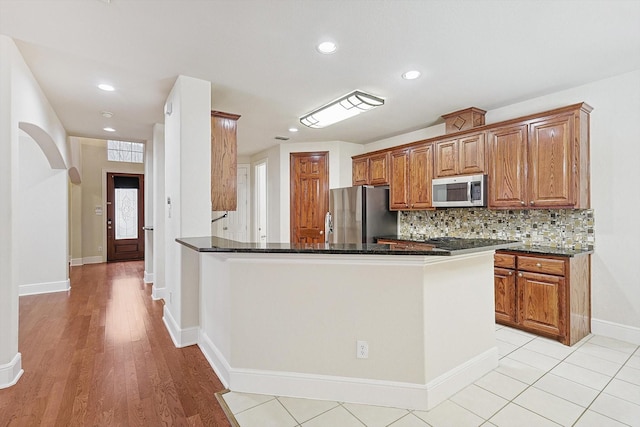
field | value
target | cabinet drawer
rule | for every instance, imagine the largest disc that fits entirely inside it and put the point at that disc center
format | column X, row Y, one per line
column 541, row 265
column 504, row 260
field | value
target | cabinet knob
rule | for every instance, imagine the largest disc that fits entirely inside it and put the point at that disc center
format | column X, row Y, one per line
column 519, row 274
column 538, row 265
column 522, row 202
column 532, row 203
column 511, row 273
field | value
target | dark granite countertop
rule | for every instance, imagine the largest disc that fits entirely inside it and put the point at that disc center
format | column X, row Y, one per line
column 216, row 244
column 548, row 250
column 514, row 245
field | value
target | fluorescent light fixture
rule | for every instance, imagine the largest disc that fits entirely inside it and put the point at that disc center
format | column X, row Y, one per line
column 106, row 87
column 293, row 129
column 342, row 108
column 108, row 129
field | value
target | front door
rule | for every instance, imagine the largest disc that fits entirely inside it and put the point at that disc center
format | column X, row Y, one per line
column 309, row 196
column 125, row 216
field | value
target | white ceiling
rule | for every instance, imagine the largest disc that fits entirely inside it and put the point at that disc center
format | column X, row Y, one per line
column 260, row 58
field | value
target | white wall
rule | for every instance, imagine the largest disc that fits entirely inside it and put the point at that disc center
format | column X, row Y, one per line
column 22, row 101
column 42, row 208
column 159, row 202
column 187, row 170
column 615, row 179
column 278, row 183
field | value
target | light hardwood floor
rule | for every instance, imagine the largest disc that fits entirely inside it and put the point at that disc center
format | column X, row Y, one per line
column 100, row 355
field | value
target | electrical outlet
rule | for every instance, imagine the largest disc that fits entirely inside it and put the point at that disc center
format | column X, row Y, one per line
column 362, row 349
column 99, row 248
column 170, row 297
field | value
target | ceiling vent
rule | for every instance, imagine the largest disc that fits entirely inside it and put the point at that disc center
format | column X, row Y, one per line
column 282, row 138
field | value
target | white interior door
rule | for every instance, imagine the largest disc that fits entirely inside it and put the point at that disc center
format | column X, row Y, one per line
column 236, row 225
column 260, row 173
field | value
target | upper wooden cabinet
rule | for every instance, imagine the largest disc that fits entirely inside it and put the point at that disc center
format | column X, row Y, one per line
column 460, row 156
column 224, row 195
column 542, row 162
column 507, row 149
column 551, row 163
column 411, row 175
column 537, row 161
column 372, row 169
column 360, row 171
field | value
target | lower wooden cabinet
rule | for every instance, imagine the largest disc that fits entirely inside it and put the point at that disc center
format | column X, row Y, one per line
column 546, row 295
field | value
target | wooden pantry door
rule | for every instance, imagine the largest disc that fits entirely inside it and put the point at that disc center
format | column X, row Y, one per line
column 309, row 196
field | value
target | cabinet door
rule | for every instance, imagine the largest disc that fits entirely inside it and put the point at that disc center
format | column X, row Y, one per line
column 471, row 154
column 379, row 169
column 360, row 171
column 541, row 302
column 551, row 164
column 224, row 167
column 505, row 295
column 398, row 184
column 446, row 163
column 507, row 151
column 420, row 176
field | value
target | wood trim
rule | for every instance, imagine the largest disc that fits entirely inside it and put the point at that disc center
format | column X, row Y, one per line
column 579, row 298
column 582, row 107
column 224, row 115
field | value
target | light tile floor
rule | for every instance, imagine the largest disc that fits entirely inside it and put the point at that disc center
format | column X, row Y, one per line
column 539, row 382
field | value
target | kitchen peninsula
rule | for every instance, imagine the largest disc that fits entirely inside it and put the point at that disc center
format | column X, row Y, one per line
column 292, row 320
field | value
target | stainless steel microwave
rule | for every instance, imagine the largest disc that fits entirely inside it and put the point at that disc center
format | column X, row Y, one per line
column 460, row 191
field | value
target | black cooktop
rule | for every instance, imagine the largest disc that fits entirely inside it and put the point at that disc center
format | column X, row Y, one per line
column 459, row 243
column 456, row 243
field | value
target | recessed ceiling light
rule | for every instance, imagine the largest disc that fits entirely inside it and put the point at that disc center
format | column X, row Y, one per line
column 327, row 47
column 293, row 129
column 411, row 75
column 106, row 87
column 108, row 129
column 107, row 114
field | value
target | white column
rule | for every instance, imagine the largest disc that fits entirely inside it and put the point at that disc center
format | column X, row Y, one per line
column 187, row 197
column 159, row 280
column 10, row 360
column 149, row 181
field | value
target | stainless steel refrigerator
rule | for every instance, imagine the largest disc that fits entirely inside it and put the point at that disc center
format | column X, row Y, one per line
column 358, row 214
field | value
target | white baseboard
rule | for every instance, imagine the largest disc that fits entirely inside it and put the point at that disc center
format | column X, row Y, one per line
column 618, row 331
column 158, row 293
column 77, row 262
column 11, row 372
column 448, row 384
column 92, row 260
column 180, row 337
column 44, row 288
column 215, row 358
column 346, row 389
column 148, row 277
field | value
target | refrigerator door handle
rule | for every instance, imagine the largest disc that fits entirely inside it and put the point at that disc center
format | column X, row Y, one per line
column 328, row 226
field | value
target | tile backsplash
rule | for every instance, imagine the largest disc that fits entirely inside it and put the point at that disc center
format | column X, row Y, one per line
column 558, row 228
